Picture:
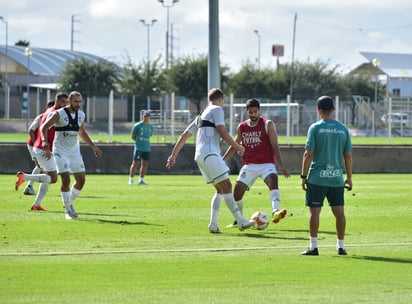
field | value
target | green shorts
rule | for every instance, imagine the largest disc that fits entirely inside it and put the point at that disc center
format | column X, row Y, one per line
column 315, row 195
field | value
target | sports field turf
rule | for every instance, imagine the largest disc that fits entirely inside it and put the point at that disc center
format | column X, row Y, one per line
column 150, row 244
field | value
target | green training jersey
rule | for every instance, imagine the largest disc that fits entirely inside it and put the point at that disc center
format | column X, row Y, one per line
column 330, row 140
column 143, row 133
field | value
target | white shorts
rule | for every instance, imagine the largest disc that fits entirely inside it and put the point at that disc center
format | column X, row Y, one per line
column 250, row 172
column 47, row 165
column 31, row 151
column 69, row 163
column 213, row 168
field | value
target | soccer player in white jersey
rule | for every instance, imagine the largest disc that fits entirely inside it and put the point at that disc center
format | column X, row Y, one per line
column 40, row 151
column 210, row 127
column 69, row 122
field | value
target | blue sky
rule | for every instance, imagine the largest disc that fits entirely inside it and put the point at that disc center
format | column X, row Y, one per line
column 329, row 30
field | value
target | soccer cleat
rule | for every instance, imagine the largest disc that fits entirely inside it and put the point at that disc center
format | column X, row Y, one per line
column 130, row 183
column 214, row 228
column 142, row 183
column 20, row 180
column 29, row 190
column 38, row 208
column 341, row 251
column 67, row 215
column 233, row 225
column 71, row 213
column 245, row 224
column 311, row 252
column 278, row 215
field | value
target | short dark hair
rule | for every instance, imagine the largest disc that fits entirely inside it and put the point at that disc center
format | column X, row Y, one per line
column 215, row 94
column 50, row 103
column 74, row 93
column 252, row 103
column 60, row 95
column 325, row 103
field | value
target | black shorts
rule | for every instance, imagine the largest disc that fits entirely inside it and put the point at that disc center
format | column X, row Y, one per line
column 141, row 155
column 315, row 195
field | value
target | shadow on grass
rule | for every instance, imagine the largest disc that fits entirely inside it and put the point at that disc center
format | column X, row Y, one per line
column 87, row 213
column 274, row 236
column 382, row 259
column 307, row 231
column 120, row 222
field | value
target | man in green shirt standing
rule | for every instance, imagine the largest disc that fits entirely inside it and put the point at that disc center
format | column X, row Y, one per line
column 328, row 152
column 141, row 133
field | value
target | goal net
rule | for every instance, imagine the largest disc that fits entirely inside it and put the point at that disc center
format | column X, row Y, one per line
column 284, row 115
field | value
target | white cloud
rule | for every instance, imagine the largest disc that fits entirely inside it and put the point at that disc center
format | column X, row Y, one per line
column 326, row 29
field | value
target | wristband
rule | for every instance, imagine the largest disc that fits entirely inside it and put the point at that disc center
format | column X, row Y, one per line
column 303, row 176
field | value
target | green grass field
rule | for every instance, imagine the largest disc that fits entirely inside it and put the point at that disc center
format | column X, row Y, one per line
column 150, row 244
column 166, row 139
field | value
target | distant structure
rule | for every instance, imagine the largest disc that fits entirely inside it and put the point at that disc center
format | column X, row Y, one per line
column 397, row 68
column 42, row 70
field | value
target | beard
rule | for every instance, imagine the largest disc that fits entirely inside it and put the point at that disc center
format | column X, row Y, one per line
column 254, row 119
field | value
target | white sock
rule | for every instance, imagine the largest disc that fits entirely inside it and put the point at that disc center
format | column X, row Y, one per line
column 141, row 179
column 275, row 199
column 340, row 244
column 240, row 205
column 313, row 243
column 214, row 208
column 66, row 199
column 36, row 170
column 74, row 194
column 40, row 178
column 43, row 188
column 231, row 204
column 131, row 179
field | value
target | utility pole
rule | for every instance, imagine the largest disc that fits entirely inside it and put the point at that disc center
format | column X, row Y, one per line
column 72, row 41
column 167, row 5
column 293, row 59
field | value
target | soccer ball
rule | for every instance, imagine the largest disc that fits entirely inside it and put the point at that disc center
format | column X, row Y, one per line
column 261, row 219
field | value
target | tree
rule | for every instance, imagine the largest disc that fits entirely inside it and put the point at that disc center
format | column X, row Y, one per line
column 22, row 42
column 251, row 81
column 88, row 77
column 143, row 79
column 188, row 76
column 312, row 80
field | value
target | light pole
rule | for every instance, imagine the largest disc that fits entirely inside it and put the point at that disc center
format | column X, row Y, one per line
column 28, row 52
column 6, row 86
column 375, row 63
column 148, row 25
column 258, row 36
column 167, row 5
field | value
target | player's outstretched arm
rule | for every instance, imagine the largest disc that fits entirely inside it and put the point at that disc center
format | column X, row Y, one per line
column 229, row 139
column 273, row 138
column 231, row 150
column 171, row 160
column 85, row 136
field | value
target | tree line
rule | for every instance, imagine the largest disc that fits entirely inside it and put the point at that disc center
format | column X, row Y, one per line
column 188, row 77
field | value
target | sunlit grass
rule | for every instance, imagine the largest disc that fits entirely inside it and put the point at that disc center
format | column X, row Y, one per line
column 150, row 244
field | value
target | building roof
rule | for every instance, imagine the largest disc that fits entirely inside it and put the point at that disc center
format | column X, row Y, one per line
column 44, row 61
column 392, row 64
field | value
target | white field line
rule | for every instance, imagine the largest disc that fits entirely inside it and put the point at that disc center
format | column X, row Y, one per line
column 188, row 250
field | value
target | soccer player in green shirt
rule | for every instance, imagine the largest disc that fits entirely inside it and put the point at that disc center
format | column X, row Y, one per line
column 328, row 152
